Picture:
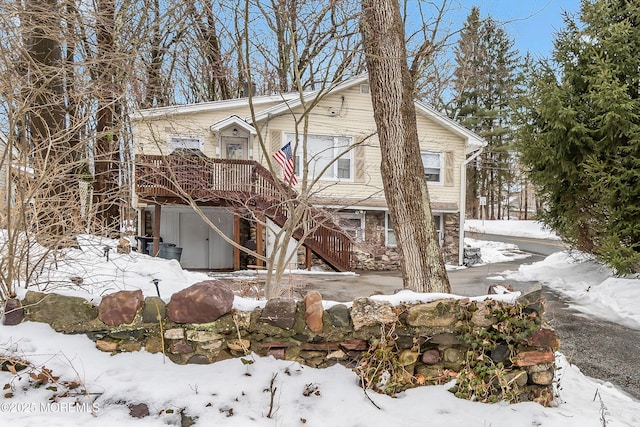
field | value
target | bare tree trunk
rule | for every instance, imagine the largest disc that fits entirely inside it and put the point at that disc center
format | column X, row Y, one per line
column 106, row 158
column 284, row 8
column 54, row 154
column 217, row 78
column 392, row 95
column 154, row 94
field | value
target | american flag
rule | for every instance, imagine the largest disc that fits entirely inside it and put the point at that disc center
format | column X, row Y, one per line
column 284, row 157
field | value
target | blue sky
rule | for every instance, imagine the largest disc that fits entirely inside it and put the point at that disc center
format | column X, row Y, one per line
column 532, row 24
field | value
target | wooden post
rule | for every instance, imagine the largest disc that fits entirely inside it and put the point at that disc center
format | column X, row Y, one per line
column 156, row 231
column 259, row 242
column 236, row 239
column 307, row 258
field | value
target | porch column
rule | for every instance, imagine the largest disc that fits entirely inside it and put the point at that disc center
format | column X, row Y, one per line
column 156, row 230
column 236, row 239
column 307, row 258
column 259, row 242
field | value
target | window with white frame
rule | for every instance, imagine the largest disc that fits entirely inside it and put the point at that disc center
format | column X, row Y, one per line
column 353, row 224
column 437, row 218
column 185, row 142
column 326, row 156
column 432, row 163
column 391, row 235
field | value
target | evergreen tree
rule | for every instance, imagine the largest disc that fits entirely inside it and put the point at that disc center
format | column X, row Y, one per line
column 484, row 89
column 584, row 150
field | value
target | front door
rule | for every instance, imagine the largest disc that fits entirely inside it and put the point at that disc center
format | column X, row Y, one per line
column 235, row 147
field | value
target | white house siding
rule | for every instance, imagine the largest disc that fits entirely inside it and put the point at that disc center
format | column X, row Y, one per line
column 152, row 133
column 354, row 118
column 345, row 113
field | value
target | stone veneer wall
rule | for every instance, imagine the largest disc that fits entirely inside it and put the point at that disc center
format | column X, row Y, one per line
column 450, row 246
column 433, row 342
column 374, row 255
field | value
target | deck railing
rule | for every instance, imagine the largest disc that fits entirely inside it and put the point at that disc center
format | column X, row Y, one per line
column 239, row 182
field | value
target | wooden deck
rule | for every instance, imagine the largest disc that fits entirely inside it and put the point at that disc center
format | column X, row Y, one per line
column 242, row 183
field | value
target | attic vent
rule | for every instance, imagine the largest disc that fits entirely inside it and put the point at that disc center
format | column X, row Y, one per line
column 364, row 89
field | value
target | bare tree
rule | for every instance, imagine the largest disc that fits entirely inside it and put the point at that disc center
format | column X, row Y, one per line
column 57, row 89
column 315, row 58
column 208, row 45
column 427, row 41
column 106, row 157
column 392, row 95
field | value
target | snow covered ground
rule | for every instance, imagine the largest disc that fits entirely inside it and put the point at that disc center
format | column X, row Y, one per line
column 590, row 286
column 236, row 394
column 510, row 228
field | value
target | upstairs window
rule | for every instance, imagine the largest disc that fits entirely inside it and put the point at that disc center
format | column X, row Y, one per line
column 185, row 143
column 326, row 156
column 432, row 163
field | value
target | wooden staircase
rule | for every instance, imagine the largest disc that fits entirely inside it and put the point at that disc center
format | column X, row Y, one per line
column 242, row 183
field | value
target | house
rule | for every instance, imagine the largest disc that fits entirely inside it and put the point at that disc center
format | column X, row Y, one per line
column 8, row 154
column 213, row 149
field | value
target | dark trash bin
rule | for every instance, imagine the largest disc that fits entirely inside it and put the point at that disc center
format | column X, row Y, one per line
column 163, row 249
column 173, row 252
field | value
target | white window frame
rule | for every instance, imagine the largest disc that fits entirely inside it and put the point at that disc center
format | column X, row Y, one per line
column 387, row 230
column 441, row 166
column 185, row 141
column 438, row 217
column 337, row 149
column 359, row 231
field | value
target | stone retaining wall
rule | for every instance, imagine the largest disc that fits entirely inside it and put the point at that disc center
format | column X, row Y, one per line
column 495, row 351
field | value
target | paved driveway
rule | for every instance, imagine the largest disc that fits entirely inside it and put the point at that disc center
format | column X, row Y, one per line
column 472, row 281
column 600, row 349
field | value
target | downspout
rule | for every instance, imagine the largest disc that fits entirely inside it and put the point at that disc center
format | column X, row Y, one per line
column 463, row 201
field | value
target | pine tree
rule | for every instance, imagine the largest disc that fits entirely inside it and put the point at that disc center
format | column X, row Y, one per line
column 484, row 89
column 584, row 151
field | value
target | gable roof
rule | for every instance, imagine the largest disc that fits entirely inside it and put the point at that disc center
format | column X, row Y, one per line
column 473, row 141
column 210, row 106
column 233, row 120
column 287, row 101
column 309, row 96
